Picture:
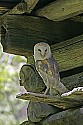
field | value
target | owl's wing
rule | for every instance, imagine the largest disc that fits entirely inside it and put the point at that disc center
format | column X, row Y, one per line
column 54, row 68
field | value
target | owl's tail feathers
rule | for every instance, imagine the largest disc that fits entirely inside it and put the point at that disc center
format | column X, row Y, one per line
column 61, row 88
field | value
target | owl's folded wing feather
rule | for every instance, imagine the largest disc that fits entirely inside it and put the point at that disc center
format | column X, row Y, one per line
column 54, row 68
column 48, row 66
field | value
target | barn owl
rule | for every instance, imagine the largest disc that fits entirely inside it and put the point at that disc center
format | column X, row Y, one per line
column 47, row 68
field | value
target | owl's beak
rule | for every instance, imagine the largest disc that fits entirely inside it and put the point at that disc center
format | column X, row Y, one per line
column 43, row 55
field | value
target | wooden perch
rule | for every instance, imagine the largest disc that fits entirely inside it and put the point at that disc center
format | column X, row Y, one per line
column 61, row 9
column 73, row 99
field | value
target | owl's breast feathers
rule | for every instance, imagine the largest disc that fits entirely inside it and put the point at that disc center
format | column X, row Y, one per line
column 48, row 66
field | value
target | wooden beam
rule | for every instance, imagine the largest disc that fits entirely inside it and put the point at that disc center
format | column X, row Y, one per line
column 25, row 31
column 66, row 117
column 34, row 29
column 73, row 100
column 69, row 54
column 19, row 37
column 73, row 81
column 61, row 9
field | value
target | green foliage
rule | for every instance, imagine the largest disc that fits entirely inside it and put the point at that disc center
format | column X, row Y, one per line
column 10, row 107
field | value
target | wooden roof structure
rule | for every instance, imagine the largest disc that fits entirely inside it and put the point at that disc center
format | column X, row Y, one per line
column 56, row 10
column 24, row 23
column 57, row 22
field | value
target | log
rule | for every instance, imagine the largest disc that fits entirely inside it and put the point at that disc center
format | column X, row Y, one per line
column 69, row 54
column 73, row 99
column 40, row 30
column 16, row 37
column 68, row 117
column 20, row 31
column 73, row 81
column 61, row 9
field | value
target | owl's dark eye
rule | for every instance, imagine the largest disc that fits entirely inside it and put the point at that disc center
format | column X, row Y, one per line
column 46, row 50
column 39, row 50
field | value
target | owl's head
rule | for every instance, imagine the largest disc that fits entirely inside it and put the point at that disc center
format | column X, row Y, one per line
column 42, row 51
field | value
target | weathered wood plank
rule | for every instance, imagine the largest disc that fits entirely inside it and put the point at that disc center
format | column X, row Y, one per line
column 30, row 29
column 69, row 54
column 68, row 117
column 34, row 29
column 61, row 9
column 73, row 81
column 74, row 99
column 16, row 37
column 25, row 31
